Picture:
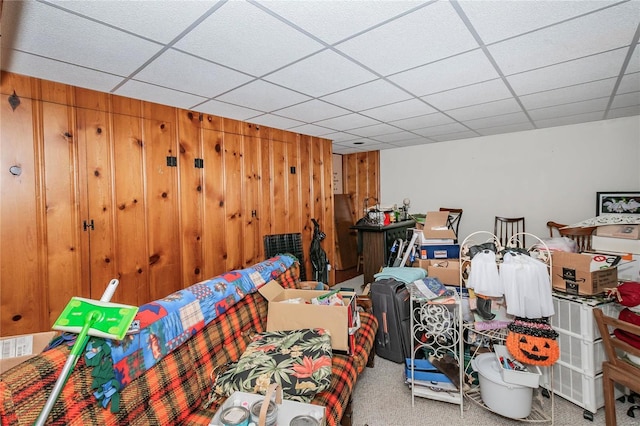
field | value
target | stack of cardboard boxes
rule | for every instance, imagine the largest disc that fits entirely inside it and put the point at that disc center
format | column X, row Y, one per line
column 439, row 251
column 624, row 240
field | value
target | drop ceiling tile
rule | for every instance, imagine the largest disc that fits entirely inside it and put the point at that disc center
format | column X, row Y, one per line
column 263, row 96
column 375, row 130
column 48, row 69
column 52, row 33
column 149, row 19
column 442, row 129
column 241, row 36
column 598, row 32
column 511, row 128
column 580, row 92
column 420, row 34
column 223, row 109
column 488, row 109
column 412, row 142
column 629, row 83
column 275, row 121
column 396, row 137
column 368, row 95
column 461, row 70
column 341, row 137
column 422, row 121
column 473, row 94
column 626, row 100
column 596, row 67
column 311, row 130
column 572, row 119
column 497, row 20
column 574, row 108
column 342, row 19
column 455, row 136
column 516, row 118
column 348, row 121
column 313, row 110
column 194, row 75
column 323, row 73
column 399, row 110
column 148, row 92
column 634, row 61
column 624, row 112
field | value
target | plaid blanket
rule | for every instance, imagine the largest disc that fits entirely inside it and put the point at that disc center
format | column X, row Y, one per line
column 175, row 389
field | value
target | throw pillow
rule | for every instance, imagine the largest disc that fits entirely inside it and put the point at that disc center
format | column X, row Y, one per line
column 298, row 360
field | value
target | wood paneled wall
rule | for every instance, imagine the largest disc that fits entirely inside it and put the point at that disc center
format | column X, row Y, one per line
column 89, row 194
column 360, row 173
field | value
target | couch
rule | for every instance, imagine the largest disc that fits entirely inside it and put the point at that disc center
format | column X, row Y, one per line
column 175, row 390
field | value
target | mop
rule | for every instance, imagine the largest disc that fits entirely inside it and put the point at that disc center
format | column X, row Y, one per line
column 87, row 317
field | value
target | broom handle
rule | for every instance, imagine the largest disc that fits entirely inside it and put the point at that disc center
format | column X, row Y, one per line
column 76, row 351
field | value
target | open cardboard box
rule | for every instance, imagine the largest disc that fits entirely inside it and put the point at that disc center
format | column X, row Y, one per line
column 338, row 320
column 17, row 349
column 446, row 270
column 435, row 228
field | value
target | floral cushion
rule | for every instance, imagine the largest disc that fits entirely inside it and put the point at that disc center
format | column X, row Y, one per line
column 299, row 360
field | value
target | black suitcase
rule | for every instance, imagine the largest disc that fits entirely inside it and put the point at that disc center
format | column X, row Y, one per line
column 392, row 307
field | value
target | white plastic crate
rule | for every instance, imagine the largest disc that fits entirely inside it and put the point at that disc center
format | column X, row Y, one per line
column 575, row 316
column 581, row 354
column 581, row 389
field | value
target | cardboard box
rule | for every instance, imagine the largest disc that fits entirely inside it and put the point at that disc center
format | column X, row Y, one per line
column 628, row 232
column 446, row 270
column 578, row 273
column 435, row 228
column 448, row 251
column 17, row 349
column 293, row 316
column 620, row 245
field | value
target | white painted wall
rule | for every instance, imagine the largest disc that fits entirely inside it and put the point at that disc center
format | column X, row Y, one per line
column 545, row 174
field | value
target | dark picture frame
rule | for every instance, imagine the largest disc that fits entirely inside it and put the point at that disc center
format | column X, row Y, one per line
column 618, row 202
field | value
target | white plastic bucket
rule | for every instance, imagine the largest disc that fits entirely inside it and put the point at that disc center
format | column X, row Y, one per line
column 506, row 399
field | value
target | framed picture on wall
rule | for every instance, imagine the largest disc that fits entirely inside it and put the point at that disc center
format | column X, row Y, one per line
column 617, row 202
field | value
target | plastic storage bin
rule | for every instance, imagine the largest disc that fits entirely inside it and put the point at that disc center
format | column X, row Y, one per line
column 575, row 316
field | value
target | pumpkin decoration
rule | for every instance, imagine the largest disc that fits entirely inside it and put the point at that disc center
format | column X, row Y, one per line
column 533, row 341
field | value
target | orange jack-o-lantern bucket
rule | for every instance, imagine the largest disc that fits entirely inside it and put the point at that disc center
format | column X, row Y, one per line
column 533, row 341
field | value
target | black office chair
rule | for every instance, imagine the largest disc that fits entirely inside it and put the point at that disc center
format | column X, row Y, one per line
column 505, row 227
column 453, row 221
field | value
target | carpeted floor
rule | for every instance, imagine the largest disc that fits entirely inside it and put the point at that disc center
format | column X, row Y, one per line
column 381, row 398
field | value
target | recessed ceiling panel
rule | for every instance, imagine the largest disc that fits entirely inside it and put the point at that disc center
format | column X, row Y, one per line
column 594, row 33
column 626, row 100
column 262, row 96
column 396, row 137
column 194, row 75
column 422, row 121
column 455, row 136
column 61, row 72
column 624, row 112
column 342, row 19
column 574, row 108
column 629, row 83
column 276, row 121
column 222, row 109
column 461, row 70
column 375, row 130
column 473, row 94
column 311, row 111
column 509, row 128
column 399, row 110
column 596, row 67
column 323, row 73
column 139, row 90
column 146, row 18
column 368, row 95
column 497, row 20
column 571, row 119
column 47, row 31
column 243, row 37
column 516, row 118
column 580, row 92
column 501, row 107
column 426, row 35
column 348, row 121
column 441, row 130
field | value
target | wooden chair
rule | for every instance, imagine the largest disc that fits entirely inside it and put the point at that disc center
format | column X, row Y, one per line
column 616, row 369
column 582, row 236
column 453, row 222
column 505, row 227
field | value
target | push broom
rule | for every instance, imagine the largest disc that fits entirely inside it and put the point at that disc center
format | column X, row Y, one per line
column 87, row 317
